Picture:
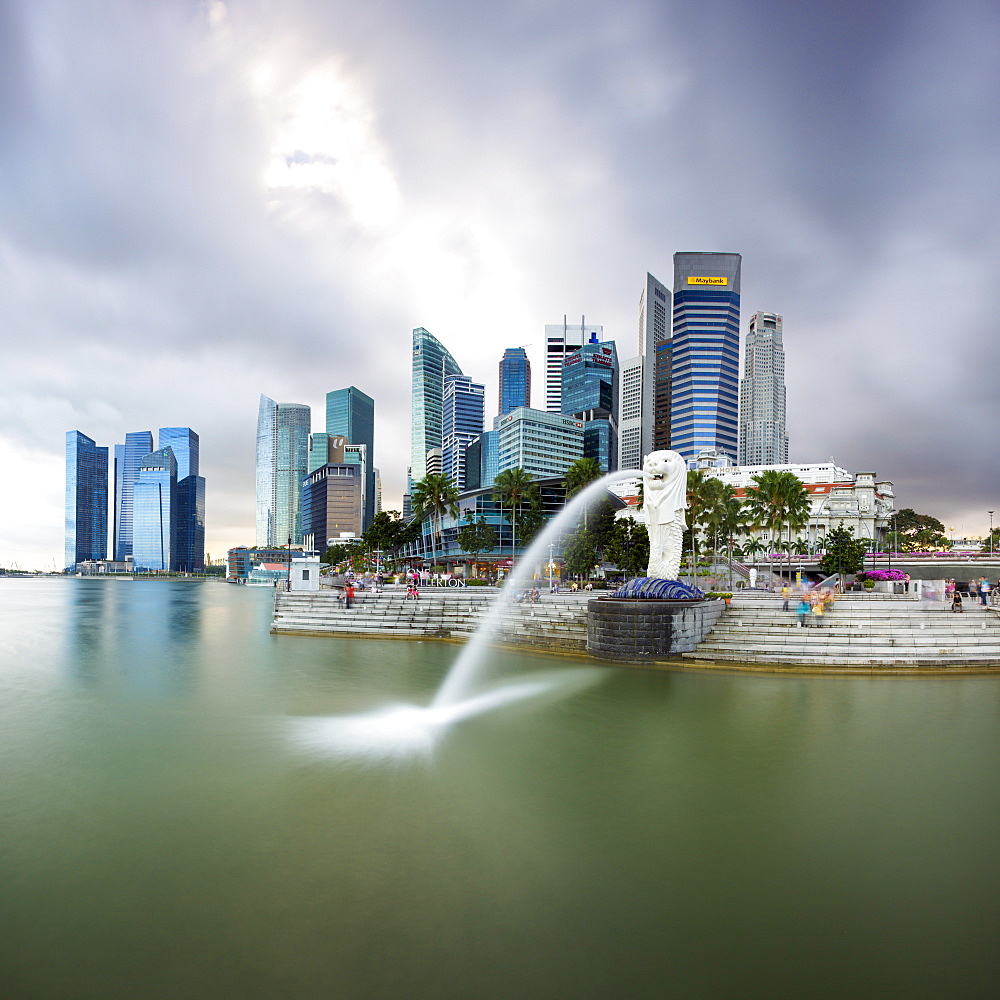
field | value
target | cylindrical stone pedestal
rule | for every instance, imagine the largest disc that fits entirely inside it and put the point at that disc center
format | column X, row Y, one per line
column 626, row 631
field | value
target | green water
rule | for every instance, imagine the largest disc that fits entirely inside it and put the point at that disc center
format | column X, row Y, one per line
column 164, row 834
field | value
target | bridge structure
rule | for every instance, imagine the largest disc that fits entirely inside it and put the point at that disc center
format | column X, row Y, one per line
column 920, row 566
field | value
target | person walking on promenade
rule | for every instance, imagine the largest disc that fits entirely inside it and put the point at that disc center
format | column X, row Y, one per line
column 802, row 611
column 349, row 595
column 984, row 591
column 785, row 594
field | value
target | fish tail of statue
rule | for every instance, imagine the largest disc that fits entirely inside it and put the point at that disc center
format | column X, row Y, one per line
column 665, row 556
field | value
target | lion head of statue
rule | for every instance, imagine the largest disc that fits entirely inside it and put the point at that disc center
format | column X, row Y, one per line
column 661, row 469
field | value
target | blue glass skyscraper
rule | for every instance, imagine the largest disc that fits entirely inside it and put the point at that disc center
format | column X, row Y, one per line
column 462, row 419
column 705, row 358
column 189, row 514
column 515, row 380
column 350, row 413
column 154, row 512
column 138, row 444
column 185, row 445
column 86, row 500
column 590, row 394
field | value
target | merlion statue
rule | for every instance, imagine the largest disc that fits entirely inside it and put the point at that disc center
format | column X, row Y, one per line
column 664, row 483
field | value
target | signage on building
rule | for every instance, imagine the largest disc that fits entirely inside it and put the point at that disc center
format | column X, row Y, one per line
column 704, row 280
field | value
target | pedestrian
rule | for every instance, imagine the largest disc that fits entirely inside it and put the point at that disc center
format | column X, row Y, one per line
column 349, row 595
column 802, row 610
column 785, row 593
column 984, row 591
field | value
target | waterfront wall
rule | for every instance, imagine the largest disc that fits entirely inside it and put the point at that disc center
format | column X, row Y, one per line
column 645, row 631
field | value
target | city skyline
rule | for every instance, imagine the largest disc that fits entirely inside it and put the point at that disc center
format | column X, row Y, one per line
column 269, row 207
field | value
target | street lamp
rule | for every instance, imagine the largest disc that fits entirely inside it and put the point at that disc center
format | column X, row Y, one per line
column 551, row 547
column 991, row 532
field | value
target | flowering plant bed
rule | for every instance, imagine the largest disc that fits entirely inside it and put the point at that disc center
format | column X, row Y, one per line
column 880, row 575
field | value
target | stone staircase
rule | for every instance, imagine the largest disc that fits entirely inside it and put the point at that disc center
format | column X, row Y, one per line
column 860, row 630
column 556, row 622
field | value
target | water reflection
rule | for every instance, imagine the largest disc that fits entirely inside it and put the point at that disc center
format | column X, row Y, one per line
column 136, row 638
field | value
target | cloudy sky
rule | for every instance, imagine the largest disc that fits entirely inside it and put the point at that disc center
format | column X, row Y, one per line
column 203, row 201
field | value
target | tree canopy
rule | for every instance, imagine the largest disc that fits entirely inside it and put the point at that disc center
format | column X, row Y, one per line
column 435, row 495
column 844, row 553
column 581, row 474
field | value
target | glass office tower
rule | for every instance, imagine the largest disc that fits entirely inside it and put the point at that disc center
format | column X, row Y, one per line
column 432, row 364
column 482, row 461
column 189, row 515
column 462, row 418
column 154, row 512
column 561, row 340
column 86, row 529
column 185, row 445
column 351, row 414
column 705, row 359
column 138, row 444
column 515, row 380
column 282, row 464
column 590, row 394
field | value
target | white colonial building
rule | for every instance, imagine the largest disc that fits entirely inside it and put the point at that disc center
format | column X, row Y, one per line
column 861, row 501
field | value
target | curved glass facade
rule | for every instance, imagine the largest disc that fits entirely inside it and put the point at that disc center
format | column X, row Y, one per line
column 432, row 364
column 282, row 464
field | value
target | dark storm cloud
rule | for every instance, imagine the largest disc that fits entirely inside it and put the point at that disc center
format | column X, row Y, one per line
column 538, row 159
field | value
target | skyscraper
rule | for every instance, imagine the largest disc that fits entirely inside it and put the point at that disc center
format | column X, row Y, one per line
column 562, row 339
column 138, row 444
column 515, row 380
column 662, row 373
column 654, row 331
column 350, row 413
column 154, row 512
column 189, row 512
column 630, row 426
column 543, row 444
column 432, row 364
column 704, row 395
column 282, row 464
column 185, row 445
column 590, row 394
column 86, row 535
column 462, row 419
column 763, row 437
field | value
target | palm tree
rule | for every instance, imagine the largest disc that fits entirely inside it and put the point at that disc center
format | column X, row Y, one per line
column 699, row 496
column 581, row 473
column 753, row 548
column 777, row 499
column 513, row 488
column 434, row 495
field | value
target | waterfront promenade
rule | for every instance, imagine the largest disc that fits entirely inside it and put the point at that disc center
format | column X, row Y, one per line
column 865, row 632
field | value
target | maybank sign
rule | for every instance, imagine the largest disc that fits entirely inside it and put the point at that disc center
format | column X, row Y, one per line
column 707, row 281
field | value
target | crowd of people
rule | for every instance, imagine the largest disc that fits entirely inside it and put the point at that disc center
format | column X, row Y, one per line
column 981, row 590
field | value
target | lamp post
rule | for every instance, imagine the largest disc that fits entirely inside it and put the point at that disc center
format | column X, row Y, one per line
column 551, row 547
column 991, row 532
